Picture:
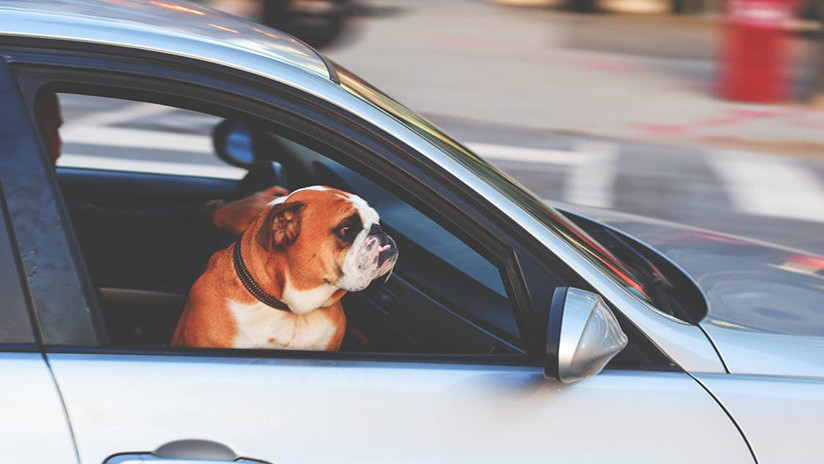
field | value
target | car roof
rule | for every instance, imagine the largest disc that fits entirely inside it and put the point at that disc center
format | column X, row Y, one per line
column 173, row 27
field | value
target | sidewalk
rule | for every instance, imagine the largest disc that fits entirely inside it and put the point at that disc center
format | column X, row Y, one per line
column 632, row 77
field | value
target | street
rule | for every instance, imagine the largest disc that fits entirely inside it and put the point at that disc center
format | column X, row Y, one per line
column 612, row 111
column 768, row 197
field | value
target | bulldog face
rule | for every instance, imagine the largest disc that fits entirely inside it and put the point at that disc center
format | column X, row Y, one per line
column 327, row 237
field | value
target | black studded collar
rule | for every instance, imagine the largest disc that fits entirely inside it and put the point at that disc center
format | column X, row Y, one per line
column 249, row 282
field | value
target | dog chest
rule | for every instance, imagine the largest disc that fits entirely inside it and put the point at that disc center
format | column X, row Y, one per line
column 260, row 326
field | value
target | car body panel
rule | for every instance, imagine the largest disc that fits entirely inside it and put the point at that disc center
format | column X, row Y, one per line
column 780, row 416
column 307, row 411
column 168, row 26
column 766, row 302
column 33, row 425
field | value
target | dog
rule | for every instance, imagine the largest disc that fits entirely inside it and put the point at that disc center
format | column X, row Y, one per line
column 279, row 285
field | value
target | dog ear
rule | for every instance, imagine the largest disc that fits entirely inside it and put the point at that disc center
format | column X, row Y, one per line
column 281, row 226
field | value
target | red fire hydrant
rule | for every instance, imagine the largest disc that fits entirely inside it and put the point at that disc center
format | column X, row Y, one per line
column 754, row 57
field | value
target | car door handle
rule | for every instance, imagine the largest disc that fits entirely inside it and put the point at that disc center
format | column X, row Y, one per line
column 144, row 458
column 185, row 452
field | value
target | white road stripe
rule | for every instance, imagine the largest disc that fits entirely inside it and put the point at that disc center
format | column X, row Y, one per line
column 118, row 137
column 526, row 155
column 592, row 175
column 592, row 183
column 758, row 184
column 125, row 113
column 155, row 167
column 769, row 185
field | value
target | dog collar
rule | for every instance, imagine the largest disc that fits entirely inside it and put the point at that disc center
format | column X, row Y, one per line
column 249, row 282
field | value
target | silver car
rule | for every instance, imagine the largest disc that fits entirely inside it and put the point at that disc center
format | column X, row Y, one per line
column 510, row 331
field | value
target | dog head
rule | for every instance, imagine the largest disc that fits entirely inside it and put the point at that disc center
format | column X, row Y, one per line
column 327, row 238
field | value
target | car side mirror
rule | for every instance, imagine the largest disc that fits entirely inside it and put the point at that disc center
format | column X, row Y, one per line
column 582, row 335
column 234, row 144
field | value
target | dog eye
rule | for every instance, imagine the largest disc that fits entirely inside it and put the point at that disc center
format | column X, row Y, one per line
column 348, row 229
column 344, row 232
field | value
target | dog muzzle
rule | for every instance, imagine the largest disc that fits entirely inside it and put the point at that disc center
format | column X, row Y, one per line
column 373, row 254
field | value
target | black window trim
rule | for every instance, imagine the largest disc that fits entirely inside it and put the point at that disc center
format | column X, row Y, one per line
column 27, row 188
column 13, row 275
column 40, row 69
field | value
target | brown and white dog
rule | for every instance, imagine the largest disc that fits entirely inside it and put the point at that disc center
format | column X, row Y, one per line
column 279, row 286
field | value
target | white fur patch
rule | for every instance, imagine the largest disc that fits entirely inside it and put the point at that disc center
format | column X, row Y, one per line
column 260, row 326
column 280, row 200
column 360, row 266
column 367, row 214
column 303, row 302
column 319, row 188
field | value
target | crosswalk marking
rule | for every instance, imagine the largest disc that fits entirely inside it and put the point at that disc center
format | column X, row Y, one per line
column 592, row 167
column 118, row 137
column 769, row 185
column 757, row 184
column 592, row 183
column 225, row 171
column 129, row 112
column 526, row 155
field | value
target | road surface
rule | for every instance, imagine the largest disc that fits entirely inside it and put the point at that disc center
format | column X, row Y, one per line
column 773, row 198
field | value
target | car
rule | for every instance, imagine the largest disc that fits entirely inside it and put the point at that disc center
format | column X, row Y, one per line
column 316, row 22
column 510, row 331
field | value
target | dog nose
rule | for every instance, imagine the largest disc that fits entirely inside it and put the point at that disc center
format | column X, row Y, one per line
column 388, row 251
column 376, row 229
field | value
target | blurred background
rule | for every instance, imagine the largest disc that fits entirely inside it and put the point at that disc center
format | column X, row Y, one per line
column 702, row 112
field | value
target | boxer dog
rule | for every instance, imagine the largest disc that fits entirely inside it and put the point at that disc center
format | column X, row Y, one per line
column 279, row 285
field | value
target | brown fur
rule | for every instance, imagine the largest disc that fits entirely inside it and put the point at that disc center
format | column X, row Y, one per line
column 290, row 241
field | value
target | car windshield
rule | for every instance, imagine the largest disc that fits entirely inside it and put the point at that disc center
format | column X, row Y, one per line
column 553, row 219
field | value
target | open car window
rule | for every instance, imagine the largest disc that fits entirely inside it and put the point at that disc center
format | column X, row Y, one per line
column 120, row 135
column 135, row 174
column 436, row 259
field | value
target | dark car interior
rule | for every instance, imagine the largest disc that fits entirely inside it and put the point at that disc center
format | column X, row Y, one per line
column 443, row 296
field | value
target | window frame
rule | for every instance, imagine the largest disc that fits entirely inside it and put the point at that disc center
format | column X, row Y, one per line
column 495, row 244
column 35, row 223
column 17, row 316
column 17, row 319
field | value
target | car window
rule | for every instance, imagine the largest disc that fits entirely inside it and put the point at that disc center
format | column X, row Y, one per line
column 138, row 179
column 114, row 134
column 436, row 249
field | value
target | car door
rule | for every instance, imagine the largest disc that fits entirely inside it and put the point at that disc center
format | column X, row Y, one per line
column 33, row 424
column 297, row 407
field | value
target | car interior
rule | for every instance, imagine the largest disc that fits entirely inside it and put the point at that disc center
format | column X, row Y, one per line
column 443, row 296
